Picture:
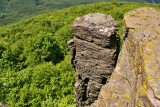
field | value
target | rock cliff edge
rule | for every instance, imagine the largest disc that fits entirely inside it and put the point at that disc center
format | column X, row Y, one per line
column 135, row 81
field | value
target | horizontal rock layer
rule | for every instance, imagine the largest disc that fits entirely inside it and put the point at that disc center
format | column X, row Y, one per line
column 93, row 53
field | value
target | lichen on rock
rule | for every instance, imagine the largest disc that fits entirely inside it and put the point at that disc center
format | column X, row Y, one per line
column 135, row 81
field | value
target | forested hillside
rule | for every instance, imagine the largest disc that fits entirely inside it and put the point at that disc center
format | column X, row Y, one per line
column 14, row 10
column 35, row 69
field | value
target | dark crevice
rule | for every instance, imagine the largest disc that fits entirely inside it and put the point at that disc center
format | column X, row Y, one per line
column 72, row 49
column 117, row 50
column 127, row 29
column 104, row 80
column 84, row 96
column 126, row 33
column 73, row 58
column 79, row 77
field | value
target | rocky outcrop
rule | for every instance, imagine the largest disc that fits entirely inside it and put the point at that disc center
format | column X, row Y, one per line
column 93, row 53
column 135, row 81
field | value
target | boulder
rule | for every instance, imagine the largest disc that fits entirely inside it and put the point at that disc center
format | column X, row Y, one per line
column 135, row 81
column 93, row 55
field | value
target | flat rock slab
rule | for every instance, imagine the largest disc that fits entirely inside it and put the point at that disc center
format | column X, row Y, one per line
column 96, row 28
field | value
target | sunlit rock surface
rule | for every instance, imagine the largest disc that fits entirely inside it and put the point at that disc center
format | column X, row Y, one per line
column 135, row 81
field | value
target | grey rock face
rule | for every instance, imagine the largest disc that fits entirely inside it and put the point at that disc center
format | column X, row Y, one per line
column 93, row 52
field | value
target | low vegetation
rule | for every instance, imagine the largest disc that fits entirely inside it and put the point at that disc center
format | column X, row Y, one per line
column 35, row 69
column 14, row 10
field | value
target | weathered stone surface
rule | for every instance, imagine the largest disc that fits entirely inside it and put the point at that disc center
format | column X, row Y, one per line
column 96, row 28
column 3, row 105
column 135, row 81
column 93, row 52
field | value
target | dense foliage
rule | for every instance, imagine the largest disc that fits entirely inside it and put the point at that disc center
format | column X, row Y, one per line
column 34, row 60
column 13, row 10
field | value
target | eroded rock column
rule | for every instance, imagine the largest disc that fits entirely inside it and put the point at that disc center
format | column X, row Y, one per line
column 93, row 52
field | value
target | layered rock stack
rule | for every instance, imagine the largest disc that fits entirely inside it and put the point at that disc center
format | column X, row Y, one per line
column 135, row 81
column 93, row 52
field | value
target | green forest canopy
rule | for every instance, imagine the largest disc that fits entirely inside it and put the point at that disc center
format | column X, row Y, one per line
column 34, row 61
column 14, row 10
